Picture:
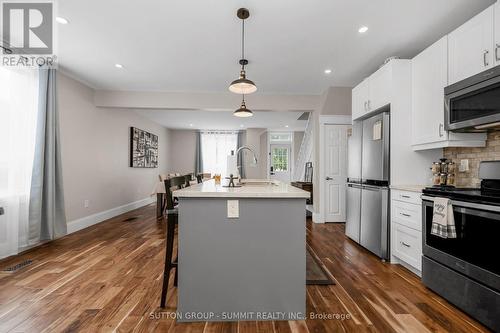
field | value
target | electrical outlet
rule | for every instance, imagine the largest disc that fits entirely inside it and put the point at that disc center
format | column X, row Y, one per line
column 233, row 209
column 464, row 166
column 86, row 203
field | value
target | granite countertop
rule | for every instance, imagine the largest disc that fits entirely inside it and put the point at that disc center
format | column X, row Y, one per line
column 409, row 188
column 251, row 188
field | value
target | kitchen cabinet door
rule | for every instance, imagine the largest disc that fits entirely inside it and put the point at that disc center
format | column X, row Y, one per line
column 360, row 95
column 380, row 88
column 470, row 46
column 429, row 78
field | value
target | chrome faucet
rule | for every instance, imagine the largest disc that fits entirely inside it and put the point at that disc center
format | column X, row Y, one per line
column 254, row 158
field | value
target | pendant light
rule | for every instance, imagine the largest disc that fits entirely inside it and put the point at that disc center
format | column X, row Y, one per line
column 243, row 85
column 243, row 112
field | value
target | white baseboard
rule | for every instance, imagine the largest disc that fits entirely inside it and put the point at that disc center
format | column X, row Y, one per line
column 412, row 269
column 317, row 218
column 90, row 220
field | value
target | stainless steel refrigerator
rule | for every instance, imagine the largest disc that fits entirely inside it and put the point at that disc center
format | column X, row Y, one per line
column 368, row 184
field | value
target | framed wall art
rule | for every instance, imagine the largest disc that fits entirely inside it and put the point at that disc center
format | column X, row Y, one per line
column 143, row 149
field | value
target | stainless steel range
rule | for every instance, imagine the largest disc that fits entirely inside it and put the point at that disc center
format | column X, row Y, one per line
column 466, row 270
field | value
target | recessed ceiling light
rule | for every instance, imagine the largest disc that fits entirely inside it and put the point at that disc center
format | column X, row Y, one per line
column 118, row 65
column 363, row 29
column 190, row 125
column 242, row 125
column 61, row 20
column 286, row 126
column 328, row 71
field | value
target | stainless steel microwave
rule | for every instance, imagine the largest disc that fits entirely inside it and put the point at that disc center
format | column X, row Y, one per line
column 473, row 105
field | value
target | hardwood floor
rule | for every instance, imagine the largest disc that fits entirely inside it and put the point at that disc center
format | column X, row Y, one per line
column 108, row 278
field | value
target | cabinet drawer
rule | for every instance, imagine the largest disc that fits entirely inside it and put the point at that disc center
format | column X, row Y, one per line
column 407, row 245
column 406, row 196
column 407, row 214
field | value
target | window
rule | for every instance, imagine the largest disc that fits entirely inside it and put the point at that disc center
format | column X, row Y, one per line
column 215, row 147
column 281, row 137
column 280, row 159
column 18, row 112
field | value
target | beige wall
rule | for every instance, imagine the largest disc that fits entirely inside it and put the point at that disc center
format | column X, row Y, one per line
column 337, row 101
column 263, row 155
column 252, row 141
column 334, row 101
column 95, row 152
column 475, row 155
column 183, row 150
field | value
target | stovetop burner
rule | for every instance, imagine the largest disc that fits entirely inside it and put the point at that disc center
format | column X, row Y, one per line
column 479, row 195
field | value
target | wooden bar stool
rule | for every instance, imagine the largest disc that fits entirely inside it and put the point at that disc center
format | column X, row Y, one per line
column 172, row 220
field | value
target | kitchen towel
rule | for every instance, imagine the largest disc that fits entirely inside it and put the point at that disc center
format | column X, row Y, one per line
column 443, row 221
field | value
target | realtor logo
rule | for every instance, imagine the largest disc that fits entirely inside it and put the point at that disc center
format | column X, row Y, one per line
column 27, row 28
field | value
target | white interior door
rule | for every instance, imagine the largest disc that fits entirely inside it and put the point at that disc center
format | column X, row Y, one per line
column 335, row 166
column 280, row 162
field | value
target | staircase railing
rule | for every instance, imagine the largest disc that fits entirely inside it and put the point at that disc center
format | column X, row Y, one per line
column 305, row 152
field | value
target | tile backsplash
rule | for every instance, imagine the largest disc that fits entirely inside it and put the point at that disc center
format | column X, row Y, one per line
column 475, row 155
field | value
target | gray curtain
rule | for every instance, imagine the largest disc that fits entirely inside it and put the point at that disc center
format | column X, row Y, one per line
column 198, row 160
column 47, row 218
column 240, row 157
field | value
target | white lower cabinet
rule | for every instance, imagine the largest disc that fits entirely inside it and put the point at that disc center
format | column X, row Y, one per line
column 407, row 245
column 406, row 229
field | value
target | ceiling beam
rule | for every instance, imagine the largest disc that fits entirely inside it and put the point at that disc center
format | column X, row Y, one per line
column 203, row 101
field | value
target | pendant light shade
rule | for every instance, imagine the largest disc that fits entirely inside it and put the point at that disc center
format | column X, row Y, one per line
column 243, row 112
column 243, row 85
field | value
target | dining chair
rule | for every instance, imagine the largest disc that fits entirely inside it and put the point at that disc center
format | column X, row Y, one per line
column 188, row 179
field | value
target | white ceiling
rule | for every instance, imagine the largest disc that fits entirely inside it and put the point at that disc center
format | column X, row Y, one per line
column 224, row 120
column 195, row 45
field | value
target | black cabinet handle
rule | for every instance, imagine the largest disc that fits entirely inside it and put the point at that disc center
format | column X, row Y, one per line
column 407, row 215
column 2, row 211
column 405, row 196
column 404, row 244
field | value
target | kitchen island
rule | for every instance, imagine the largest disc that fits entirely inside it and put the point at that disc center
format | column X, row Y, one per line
column 242, row 252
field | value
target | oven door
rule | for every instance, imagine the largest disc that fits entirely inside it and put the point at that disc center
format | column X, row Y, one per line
column 475, row 250
column 473, row 102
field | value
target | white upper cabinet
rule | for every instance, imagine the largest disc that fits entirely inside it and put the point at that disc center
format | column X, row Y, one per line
column 429, row 78
column 373, row 93
column 471, row 46
column 360, row 97
column 380, row 88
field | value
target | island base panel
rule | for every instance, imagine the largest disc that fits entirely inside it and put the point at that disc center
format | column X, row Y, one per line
column 247, row 268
